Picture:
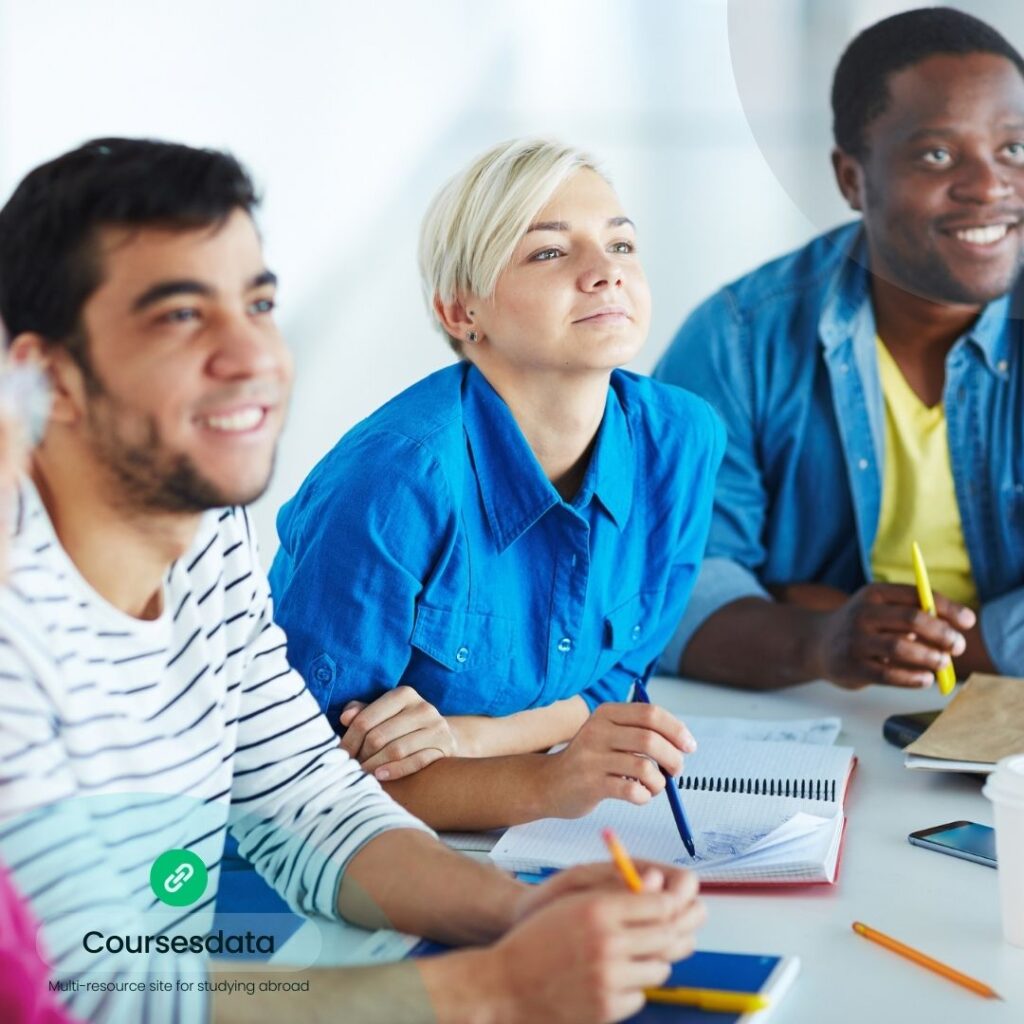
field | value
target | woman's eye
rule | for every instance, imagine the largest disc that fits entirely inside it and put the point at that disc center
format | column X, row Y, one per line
column 262, row 306
column 937, row 157
column 544, row 255
column 1015, row 151
column 624, row 247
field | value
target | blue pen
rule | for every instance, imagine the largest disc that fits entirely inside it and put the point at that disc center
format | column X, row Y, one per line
column 682, row 823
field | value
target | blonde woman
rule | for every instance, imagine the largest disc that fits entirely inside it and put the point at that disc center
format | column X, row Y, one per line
column 481, row 568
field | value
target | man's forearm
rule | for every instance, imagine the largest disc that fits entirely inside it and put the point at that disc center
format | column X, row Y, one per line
column 757, row 644
column 452, row 989
column 524, row 732
column 474, row 793
column 407, row 880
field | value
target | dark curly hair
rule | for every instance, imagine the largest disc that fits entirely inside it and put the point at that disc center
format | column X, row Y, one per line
column 860, row 87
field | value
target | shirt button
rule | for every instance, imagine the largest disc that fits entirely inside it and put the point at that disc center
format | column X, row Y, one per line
column 862, row 463
column 1002, row 366
column 564, row 645
column 322, row 674
column 636, row 632
column 844, row 367
column 461, row 655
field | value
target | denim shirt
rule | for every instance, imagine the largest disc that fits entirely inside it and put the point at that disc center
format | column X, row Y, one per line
column 787, row 357
column 429, row 549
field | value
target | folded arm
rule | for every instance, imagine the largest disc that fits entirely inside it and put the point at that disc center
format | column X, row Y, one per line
column 618, row 753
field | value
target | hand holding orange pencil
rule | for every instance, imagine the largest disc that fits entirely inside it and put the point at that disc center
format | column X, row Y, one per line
column 711, row 1000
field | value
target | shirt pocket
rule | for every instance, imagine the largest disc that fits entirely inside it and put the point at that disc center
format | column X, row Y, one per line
column 632, row 622
column 467, row 655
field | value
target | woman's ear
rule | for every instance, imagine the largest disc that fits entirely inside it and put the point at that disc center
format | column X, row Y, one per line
column 458, row 319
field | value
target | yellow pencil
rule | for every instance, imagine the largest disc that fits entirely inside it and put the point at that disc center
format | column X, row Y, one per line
column 926, row 961
column 946, row 675
column 712, row 999
column 623, row 862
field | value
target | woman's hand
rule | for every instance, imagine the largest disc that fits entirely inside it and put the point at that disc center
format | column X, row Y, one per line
column 619, row 752
column 397, row 734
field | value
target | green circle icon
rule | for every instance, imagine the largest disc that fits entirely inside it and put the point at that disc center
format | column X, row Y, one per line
column 178, row 878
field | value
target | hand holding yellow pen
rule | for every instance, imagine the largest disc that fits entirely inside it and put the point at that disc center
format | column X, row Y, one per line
column 946, row 676
column 711, row 999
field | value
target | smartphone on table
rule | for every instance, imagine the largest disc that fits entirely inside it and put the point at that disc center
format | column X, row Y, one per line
column 966, row 839
column 902, row 730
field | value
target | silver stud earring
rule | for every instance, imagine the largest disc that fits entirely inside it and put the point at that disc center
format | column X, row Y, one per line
column 471, row 337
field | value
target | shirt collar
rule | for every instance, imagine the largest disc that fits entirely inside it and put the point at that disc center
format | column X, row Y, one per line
column 514, row 490
column 846, row 310
column 990, row 336
column 612, row 469
column 847, row 295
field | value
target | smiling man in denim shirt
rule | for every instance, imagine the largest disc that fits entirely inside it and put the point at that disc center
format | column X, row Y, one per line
column 872, row 384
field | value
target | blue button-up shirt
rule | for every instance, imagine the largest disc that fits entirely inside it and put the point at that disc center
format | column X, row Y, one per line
column 787, row 357
column 428, row 548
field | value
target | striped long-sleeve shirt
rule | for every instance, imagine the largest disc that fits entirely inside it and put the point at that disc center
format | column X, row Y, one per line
column 122, row 738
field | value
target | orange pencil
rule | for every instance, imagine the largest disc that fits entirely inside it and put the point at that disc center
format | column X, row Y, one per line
column 623, row 862
column 926, row 961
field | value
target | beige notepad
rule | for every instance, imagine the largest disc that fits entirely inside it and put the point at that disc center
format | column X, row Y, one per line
column 981, row 724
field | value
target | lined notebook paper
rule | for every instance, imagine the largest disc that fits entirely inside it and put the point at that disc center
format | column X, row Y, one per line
column 762, row 813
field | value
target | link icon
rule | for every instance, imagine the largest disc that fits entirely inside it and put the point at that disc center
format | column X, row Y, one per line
column 178, row 878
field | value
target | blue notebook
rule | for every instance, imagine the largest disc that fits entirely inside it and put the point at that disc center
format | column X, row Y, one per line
column 770, row 976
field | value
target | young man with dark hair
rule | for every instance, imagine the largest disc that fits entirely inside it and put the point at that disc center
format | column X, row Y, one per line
column 872, row 384
column 146, row 700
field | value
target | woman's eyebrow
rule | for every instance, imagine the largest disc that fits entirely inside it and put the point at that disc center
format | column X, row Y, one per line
column 561, row 225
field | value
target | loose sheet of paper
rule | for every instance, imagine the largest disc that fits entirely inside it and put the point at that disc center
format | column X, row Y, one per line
column 819, row 731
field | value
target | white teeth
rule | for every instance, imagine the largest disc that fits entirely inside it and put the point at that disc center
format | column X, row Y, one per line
column 983, row 236
column 244, row 419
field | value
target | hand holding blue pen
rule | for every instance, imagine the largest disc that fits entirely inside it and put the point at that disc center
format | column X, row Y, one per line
column 678, row 811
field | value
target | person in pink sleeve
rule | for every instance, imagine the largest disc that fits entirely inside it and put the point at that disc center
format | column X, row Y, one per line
column 25, row 996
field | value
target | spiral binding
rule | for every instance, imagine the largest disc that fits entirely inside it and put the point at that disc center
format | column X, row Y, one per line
column 807, row 789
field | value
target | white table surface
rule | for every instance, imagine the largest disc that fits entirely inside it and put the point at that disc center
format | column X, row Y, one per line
column 943, row 906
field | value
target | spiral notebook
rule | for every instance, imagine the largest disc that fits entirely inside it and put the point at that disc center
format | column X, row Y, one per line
column 763, row 813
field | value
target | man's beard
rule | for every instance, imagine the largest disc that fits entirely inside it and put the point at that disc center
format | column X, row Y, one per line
column 925, row 274
column 148, row 477
column 917, row 268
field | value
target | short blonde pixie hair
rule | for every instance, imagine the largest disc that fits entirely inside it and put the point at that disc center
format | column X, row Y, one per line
column 476, row 220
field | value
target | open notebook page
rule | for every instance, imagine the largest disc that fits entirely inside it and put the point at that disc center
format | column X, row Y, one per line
column 779, row 838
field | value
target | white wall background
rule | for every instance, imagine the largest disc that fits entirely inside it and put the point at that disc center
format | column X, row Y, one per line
column 351, row 114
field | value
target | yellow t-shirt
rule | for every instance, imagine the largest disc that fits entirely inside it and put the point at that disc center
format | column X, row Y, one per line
column 918, row 497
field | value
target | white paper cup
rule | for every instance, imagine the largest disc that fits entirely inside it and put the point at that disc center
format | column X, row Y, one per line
column 1005, row 788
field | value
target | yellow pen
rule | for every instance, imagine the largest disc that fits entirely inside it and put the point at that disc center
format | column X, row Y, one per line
column 946, row 675
column 712, row 999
